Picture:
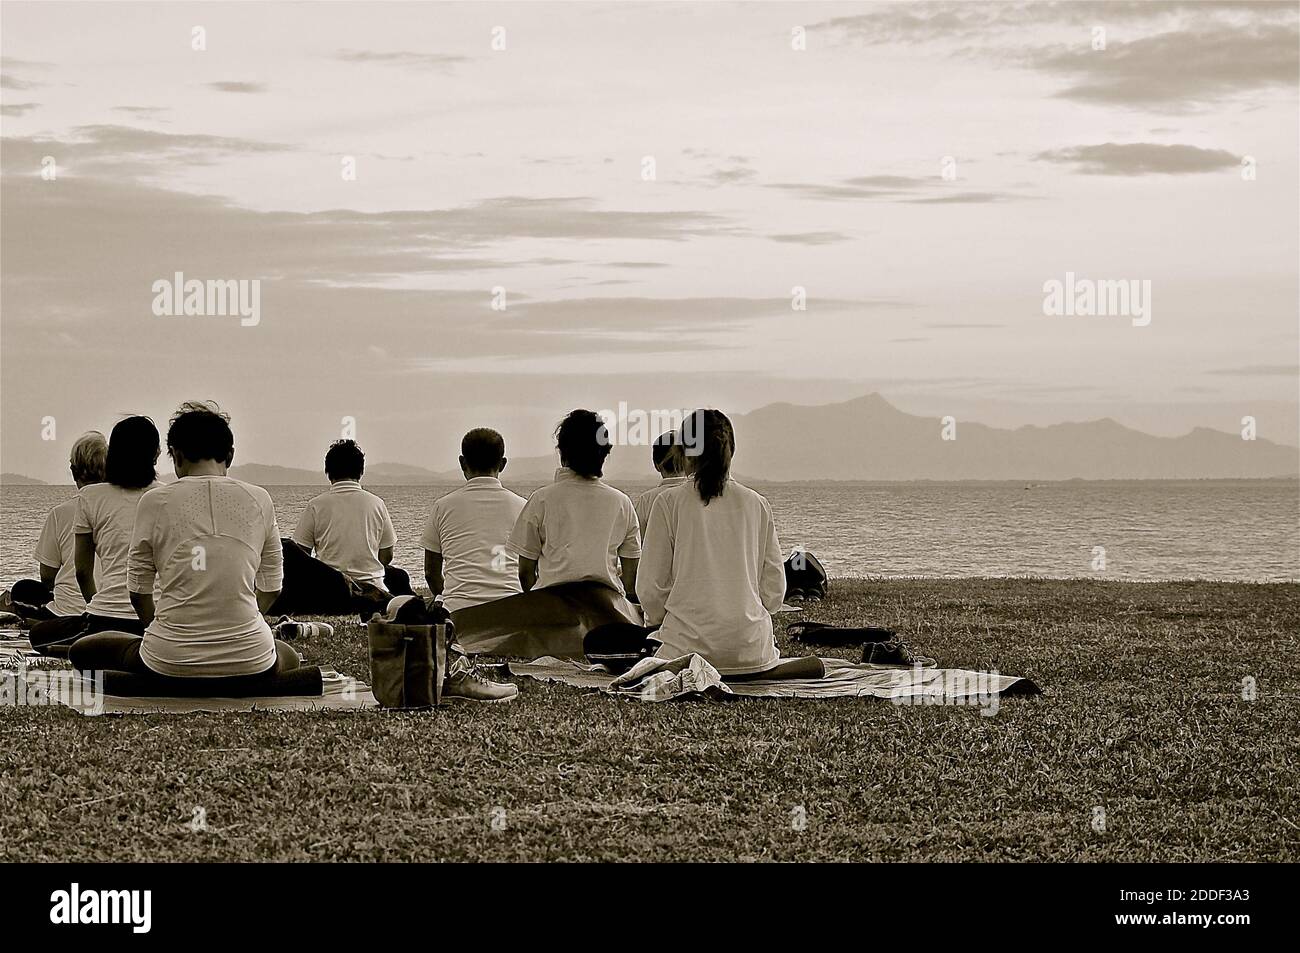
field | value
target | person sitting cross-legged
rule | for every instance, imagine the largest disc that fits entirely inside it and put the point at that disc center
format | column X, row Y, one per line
column 352, row 537
column 54, row 598
column 102, row 538
column 466, row 562
column 213, row 544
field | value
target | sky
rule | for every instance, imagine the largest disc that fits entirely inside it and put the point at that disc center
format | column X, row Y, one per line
column 919, row 170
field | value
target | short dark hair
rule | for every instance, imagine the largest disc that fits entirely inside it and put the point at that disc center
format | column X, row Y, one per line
column 132, row 452
column 483, row 449
column 200, row 431
column 667, row 452
column 583, row 441
column 344, row 461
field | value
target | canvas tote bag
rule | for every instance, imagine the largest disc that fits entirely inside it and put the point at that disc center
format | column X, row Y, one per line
column 407, row 663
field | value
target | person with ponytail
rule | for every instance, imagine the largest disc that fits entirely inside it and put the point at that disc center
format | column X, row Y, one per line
column 711, row 572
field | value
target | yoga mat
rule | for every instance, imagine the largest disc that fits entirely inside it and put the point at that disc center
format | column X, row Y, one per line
column 841, row 680
column 338, row 692
column 541, row 622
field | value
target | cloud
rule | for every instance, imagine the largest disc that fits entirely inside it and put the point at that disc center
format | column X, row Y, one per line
column 1184, row 54
column 1259, row 370
column 8, row 81
column 228, row 86
column 18, row 109
column 1141, row 158
column 890, row 188
column 143, row 112
column 810, row 238
column 1180, row 68
column 440, row 62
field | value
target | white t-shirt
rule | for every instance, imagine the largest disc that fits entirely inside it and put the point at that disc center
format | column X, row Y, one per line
column 347, row 527
column 211, row 541
column 57, row 549
column 469, row 526
column 713, row 575
column 107, row 513
column 647, row 499
column 577, row 528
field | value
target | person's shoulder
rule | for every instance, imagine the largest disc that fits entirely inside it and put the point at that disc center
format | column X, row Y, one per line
column 68, row 509
column 749, row 494
column 259, row 493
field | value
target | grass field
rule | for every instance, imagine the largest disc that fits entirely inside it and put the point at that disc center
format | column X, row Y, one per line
column 1142, row 717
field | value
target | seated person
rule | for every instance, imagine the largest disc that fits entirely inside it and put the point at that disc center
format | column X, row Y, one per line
column 353, row 538
column 102, row 531
column 579, row 528
column 711, row 572
column 56, row 595
column 465, row 556
column 670, row 461
column 213, row 543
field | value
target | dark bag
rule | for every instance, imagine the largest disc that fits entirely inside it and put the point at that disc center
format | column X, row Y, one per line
column 407, row 663
column 805, row 576
column 619, row 645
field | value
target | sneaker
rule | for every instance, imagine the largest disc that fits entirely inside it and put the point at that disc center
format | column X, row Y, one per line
column 6, row 601
column 288, row 630
column 894, row 652
column 465, row 683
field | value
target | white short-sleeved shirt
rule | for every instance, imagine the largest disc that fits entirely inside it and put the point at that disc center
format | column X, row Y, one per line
column 57, row 549
column 107, row 513
column 347, row 526
column 211, row 541
column 647, row 499
column 577, row 528
column 713, row 575
column 469, row 526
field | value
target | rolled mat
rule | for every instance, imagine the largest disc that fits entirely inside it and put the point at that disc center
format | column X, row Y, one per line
column 541, row 622
column 298, row 682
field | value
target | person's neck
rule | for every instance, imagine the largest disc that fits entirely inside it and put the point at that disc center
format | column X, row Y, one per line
column 203, row 468
column 490, row 475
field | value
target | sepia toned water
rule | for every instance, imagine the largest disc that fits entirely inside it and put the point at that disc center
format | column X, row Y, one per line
column 1150, row 530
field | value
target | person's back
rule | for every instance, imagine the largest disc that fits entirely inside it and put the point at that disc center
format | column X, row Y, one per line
column 465, row 556
column 724, row 584
column 347, row 526
column 56, row 548
column 578, row 529
column 711, row 570
column 107, row 513
column 212, row 541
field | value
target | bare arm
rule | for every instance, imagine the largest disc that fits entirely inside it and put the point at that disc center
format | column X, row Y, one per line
column 48, row 575
column 433, row 573
column 527, row 573
column 142, row 603
column 84, row 561
column 629, row 575
column 264, row 599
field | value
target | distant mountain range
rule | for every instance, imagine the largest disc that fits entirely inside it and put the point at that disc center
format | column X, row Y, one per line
column 870, row 439
column 17, row 479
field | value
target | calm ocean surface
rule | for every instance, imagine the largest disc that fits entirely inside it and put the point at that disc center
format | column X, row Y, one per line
column 1151, row 530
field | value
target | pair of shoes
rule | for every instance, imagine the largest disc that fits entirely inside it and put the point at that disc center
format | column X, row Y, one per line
column 288, row 630
column 894, row 652
column 465, row 683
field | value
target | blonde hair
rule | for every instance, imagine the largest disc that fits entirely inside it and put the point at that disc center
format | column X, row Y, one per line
column 88, row 456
